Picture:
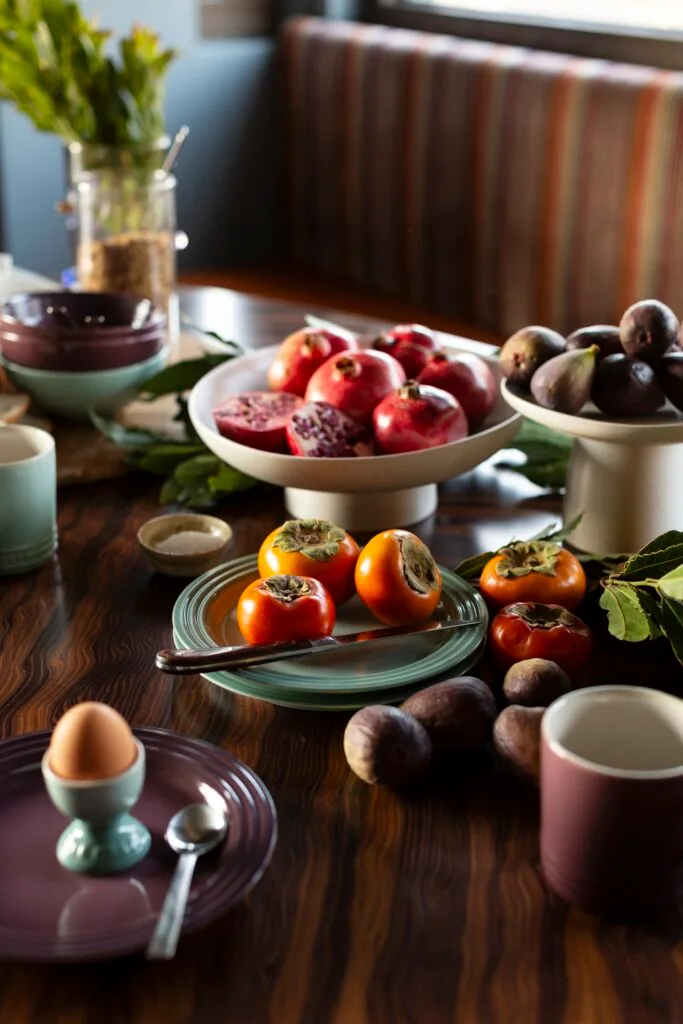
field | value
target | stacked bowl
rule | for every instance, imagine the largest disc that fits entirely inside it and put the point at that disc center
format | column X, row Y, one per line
column 77, row 351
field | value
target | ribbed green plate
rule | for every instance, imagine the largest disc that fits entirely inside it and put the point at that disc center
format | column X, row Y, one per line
column 204, row 616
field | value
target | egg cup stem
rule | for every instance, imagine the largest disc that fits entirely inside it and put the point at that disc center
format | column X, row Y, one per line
column 103, row 848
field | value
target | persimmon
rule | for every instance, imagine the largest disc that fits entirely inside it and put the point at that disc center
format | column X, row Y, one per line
column 398, row 579
column 312, row 547
column 285, row 608
column 538, row 571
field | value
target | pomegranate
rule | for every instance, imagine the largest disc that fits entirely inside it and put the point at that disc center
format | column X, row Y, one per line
column 411, row 344
column 355, row 382
column 417, row 416
column 320, row 431
column 257, row 419
column 301, row 354
column 468, row 378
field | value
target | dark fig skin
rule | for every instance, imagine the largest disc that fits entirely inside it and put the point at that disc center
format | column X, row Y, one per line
column 525, row 351
column 535, row 683
column 626, row 388
column 670, row 376
column 564, row 382
column 647, row 330
column 605, row 336
column 387, row 747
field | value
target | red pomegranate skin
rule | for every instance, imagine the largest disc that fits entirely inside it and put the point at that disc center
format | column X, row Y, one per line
column 318, row 430
column 410, row 344
column 300, row 355
column 468, row 378
column 257, row 419
column 356, row 382
column 416, row 417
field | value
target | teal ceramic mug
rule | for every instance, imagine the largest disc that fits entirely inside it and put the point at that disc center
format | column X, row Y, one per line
column 28, row 498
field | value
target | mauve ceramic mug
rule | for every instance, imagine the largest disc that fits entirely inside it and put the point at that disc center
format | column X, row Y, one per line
column 612, row 800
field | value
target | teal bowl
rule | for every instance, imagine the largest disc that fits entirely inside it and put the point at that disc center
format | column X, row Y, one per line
column 71, row 395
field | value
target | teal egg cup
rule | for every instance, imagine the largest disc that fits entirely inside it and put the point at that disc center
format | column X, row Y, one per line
column 103, row 838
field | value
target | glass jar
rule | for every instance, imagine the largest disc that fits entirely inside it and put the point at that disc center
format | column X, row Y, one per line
column 88, row 157
column 126, row 222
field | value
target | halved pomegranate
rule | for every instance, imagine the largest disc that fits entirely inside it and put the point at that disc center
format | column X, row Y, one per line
column 417, row 417
column 300, row 355
column 318, row 430
column 410, row 344
column 257, row 419
column 355, row 382
column 468, row 378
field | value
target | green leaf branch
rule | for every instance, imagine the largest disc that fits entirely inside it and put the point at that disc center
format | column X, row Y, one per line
column 195, row 477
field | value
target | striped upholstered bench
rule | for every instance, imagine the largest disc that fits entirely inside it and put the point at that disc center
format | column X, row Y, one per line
column 497, row 185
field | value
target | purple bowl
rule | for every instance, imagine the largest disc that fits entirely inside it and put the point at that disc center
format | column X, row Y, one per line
column 52, row 331
column 79, row 314
column 63, row 353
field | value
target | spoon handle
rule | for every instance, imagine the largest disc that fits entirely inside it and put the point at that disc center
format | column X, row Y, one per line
column 162, row 945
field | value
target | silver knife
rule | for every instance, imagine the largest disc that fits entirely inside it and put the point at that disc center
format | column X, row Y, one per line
column 212, row 659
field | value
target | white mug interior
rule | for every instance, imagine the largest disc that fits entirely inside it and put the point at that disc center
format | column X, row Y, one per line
column 627, row 731
column 20, row 444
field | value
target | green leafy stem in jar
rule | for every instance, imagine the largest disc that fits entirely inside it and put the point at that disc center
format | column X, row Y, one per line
column 57, row 69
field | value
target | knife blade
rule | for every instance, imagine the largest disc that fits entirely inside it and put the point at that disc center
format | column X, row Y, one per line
column 213, row 659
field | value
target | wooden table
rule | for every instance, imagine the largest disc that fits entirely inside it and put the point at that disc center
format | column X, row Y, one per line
column 378, row 908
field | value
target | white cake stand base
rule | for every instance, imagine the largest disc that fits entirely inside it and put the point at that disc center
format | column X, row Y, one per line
column 627, row 494
column 370, row 510
column 625, row 477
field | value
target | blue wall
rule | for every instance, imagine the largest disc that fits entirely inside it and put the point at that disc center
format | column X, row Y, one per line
column 225, row 91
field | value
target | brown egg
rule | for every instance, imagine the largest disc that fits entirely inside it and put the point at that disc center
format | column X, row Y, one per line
column 90, row 742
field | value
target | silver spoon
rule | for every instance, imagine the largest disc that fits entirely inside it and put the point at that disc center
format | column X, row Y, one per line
column 191, row 832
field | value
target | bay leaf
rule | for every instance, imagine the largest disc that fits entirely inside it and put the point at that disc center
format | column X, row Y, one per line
column 672, row 625
column 671, row 585
column 660, row 556
column 471, row 568
column 653, row 609
column 626, row 618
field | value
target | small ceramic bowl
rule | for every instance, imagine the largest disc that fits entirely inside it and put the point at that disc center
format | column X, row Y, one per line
column 80, row 314
column 62, row 352
column 103, row 837
column 167, row 553
column 79, row 331
column 71, row 395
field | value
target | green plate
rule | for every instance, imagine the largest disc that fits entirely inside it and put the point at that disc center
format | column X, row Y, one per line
column 204, row 616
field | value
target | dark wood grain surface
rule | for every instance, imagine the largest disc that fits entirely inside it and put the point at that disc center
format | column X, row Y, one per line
column 378, row 908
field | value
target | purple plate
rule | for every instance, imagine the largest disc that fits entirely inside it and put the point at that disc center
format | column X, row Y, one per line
column 48, row 914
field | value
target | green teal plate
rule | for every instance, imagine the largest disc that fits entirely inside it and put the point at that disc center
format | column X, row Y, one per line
column 204, row 616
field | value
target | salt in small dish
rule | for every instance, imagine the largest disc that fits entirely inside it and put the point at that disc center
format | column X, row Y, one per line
column 184, row 543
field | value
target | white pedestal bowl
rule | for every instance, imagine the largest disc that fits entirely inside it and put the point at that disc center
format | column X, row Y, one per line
column 625, row 477
column 361, row 493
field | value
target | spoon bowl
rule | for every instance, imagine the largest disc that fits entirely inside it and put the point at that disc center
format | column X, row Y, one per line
column 196, row 829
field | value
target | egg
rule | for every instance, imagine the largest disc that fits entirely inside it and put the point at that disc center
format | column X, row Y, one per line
column 90, row 742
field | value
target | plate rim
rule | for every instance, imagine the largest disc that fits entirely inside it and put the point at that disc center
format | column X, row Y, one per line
column 89, row 950
column 380, row 681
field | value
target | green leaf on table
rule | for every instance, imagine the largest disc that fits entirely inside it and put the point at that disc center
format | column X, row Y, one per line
column 627, row 620
column 180, row 376
column 557, row 533
column 656, row 559
column 671, row 585
column 228, row 480
column 163, row 459
column 471, row 568
column 126, row 437
column 672, row 625
column 653, row 609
